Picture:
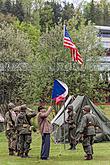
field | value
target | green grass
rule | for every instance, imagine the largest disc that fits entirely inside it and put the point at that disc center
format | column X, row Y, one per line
column 58, row 156
column 106, row 110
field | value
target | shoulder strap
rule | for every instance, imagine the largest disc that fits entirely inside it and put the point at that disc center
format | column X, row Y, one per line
column 11, row 118
column 29, row 122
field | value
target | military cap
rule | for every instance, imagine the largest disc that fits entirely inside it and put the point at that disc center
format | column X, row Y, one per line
column 40, row 108
column 70, row 108
column 23, row 107
column 11, row 105
column 86, row 108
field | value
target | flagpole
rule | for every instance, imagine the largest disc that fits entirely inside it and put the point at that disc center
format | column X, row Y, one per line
column 63, row 30
column 64, row 26
column 59, row 93
column 64, row 99
column 64, row 127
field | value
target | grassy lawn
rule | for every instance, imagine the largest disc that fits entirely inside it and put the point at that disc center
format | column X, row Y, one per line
column 105, row 110
column 58, row 156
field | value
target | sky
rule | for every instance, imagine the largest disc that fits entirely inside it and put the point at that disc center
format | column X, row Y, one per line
column 76, row 2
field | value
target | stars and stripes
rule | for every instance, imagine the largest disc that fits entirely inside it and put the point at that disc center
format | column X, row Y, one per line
column 68, row 43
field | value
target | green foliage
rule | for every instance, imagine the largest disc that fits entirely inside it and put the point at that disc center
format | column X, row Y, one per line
column 7, row 18
column 15, row 48
column 32, row 32
column 46, row 15
column 12, row 7
column 54, row 62
column 98, row 12
column 68, row 12
column 44, row 53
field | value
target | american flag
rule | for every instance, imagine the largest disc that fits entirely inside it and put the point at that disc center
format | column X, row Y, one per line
column 68, row 43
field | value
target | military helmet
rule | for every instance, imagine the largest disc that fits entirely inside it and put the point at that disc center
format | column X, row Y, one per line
column 11, row 105
column 86, row 108
column 17, row 109
column 23, row 107
column 70, row 108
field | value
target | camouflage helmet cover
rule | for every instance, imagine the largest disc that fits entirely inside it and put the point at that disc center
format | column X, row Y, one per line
column 23, row 107
column 17, row 109
column 70, row 108
column 86, row 108
column 11, row 105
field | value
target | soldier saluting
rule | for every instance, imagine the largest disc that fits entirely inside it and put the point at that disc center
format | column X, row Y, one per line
column 71, row 128
column 88, row 126
column 23, row 126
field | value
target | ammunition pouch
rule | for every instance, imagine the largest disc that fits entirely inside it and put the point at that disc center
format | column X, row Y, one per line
column 27, row 127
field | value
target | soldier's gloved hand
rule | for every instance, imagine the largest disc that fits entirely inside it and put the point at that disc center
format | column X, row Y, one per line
column 77, row 141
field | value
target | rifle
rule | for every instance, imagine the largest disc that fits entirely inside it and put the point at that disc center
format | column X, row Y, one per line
column 13, row 122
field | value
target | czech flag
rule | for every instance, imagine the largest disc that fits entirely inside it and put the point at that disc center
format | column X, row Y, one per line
column 60, row 91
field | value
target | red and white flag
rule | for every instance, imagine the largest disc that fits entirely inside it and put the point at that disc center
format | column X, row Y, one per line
column 68, row 43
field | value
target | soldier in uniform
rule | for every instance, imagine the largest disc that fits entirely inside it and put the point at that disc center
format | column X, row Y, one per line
column 17, row 111
column 23, row 126
column 71, row 128
column 10, row 118
column 88, row 126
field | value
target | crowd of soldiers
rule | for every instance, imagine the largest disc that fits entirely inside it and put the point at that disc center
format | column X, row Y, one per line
column 18, row 129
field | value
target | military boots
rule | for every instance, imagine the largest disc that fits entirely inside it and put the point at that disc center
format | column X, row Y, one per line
column 88, row 157
column 11, row 152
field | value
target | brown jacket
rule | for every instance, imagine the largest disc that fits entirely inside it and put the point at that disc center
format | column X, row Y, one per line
column 44, row 124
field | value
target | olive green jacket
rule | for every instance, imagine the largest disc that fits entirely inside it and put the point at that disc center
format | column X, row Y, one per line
column 71, row 120
column 23, row 123
column 88, row 125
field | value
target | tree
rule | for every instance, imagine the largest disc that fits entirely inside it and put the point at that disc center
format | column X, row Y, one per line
column 97, row 12
column 15, row 52
column 13, row 8
column 57, row 12
column 67, row 12
column 32, row 31
column 18, row 10
column 46, row 15
column 54, row 62
column 6, row 7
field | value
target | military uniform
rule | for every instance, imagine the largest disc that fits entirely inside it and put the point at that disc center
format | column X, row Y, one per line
column 88, row 126
column 23, row 126
column 10, row 118
column 17, row 111
column 71, row 128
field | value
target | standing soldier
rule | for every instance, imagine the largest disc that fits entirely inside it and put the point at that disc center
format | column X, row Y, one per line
column 71, row 127
column 88, row 126
column 17, row 111
column 23, row 126
column 10, row 117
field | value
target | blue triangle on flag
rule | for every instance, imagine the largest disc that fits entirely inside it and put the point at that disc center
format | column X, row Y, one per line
column 58, row 89
column 67, row 34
